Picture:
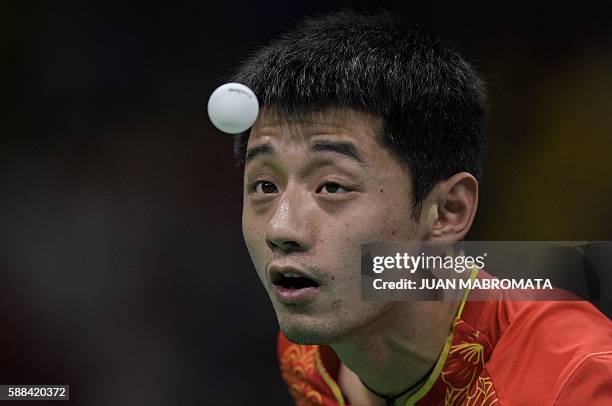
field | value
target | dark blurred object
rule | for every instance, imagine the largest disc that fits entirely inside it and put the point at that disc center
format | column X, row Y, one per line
column 598, row 268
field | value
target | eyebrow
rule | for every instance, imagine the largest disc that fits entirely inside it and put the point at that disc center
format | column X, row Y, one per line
column 343, row 148
column 258, row 150
column 346, row 149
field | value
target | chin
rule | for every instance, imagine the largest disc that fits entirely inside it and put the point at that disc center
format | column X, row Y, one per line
column 305, row 337
column 306, row 331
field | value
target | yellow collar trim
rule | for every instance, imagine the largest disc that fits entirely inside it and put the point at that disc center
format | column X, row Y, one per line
column 328, row 379
column 447, row 345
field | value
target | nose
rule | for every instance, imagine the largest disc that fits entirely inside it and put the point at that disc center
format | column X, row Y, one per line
column 288, row 229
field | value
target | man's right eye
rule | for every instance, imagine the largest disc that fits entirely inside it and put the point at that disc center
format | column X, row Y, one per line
column 264, row 186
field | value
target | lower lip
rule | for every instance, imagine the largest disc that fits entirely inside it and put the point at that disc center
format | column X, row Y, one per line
column 291, row 296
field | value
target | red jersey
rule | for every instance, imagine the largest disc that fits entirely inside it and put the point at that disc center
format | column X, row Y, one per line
column 498, row 352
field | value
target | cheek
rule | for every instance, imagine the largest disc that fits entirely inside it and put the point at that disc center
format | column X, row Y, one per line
column 396, row 222
column 340, row 252
column 253, row 238
column 256, row 247
column 381, row 220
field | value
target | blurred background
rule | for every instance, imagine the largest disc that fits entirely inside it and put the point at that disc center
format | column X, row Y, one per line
column 123, row 272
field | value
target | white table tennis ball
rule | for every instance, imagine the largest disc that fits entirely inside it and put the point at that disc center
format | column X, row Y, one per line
column 233, row 108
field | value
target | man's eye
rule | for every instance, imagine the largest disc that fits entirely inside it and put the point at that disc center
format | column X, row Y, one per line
column 332, row 188
column 264, row 186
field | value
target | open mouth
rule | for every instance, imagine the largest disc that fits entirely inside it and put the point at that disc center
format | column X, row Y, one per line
column 292, row 280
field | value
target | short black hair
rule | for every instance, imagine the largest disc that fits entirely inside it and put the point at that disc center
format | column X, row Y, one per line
column 430, row 101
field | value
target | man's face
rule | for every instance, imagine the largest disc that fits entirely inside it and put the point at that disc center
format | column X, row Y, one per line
column 313, row 191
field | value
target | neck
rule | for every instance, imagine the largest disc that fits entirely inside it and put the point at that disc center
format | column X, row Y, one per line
column 391, row 354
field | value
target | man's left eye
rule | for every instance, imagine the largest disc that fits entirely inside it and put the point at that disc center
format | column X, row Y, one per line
column 332, row 188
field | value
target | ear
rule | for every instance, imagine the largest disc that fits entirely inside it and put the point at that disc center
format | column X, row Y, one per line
column 450, row 208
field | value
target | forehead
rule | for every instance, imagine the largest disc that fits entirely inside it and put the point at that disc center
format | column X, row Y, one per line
column 361, row 129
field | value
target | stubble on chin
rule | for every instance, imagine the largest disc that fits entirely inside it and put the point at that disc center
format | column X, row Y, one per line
column 344, row 325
